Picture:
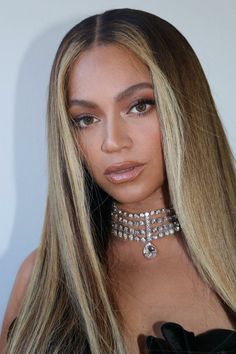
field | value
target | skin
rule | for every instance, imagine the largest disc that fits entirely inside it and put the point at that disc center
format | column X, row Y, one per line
column 167, row 288
column 118, row 133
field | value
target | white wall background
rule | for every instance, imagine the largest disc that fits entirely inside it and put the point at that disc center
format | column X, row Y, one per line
column 30, row 32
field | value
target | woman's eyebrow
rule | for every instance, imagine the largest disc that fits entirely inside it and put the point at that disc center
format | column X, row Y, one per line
column 120, row 96
column 131, row 89
column 82, row 103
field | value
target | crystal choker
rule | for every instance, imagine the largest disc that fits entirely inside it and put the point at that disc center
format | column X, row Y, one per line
column 144, row 227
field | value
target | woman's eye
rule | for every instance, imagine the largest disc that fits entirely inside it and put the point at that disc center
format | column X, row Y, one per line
column 84, row 121
column 142, row 106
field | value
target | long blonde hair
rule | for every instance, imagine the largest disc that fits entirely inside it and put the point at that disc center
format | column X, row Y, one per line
column 69, row 305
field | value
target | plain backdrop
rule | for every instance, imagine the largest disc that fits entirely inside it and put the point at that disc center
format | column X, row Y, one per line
column 30, row 32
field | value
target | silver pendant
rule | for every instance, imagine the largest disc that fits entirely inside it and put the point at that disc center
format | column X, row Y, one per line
column 149, row 250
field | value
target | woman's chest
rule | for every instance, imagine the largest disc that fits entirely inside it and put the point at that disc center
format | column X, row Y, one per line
column 174, row 293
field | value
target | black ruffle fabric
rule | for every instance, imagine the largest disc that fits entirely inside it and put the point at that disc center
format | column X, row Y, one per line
column 10, row 328
column 179, row 341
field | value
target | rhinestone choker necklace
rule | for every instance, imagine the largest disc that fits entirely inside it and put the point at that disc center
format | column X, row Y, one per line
column 144, row 227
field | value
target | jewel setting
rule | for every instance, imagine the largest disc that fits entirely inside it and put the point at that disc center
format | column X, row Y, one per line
column 144, row 227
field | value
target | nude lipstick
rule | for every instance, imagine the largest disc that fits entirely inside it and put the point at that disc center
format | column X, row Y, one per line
column 123, row 171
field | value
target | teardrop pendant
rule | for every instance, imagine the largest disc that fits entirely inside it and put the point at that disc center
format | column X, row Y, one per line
column 149, row 250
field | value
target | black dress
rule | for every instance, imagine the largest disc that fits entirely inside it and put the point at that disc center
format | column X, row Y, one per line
column 179, row 341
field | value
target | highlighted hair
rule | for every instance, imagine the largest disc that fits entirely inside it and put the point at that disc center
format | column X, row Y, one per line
column 69, row 303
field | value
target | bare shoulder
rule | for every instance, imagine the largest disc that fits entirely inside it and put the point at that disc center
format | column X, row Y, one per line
column 18, row 290
column 25, row 270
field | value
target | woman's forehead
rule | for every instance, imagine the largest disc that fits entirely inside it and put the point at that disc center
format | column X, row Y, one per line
column 106, row 68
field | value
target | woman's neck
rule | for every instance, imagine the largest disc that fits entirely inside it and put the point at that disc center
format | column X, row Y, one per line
column 157, row 200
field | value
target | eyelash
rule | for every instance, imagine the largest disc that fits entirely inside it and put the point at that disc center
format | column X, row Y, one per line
column 78, row 120
column 149, row 102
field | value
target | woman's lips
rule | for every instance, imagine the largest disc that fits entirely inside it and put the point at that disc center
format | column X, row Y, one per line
column 124, row 174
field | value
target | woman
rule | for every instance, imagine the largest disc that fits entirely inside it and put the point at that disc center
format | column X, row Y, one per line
column 138, row 247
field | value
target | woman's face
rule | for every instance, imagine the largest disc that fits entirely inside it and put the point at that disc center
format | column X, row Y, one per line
column 111, row 102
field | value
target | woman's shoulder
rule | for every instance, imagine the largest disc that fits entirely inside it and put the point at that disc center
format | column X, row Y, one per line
column 17, row 294
column 26, row 268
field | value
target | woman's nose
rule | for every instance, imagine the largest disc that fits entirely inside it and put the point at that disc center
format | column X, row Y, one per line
column 116, row 137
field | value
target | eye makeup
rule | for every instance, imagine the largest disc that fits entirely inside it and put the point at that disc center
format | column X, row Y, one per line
column 141, row 105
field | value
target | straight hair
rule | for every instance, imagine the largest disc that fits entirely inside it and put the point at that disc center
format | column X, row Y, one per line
column 69, row 305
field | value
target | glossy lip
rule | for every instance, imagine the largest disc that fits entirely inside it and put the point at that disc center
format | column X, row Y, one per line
column 123, row 171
